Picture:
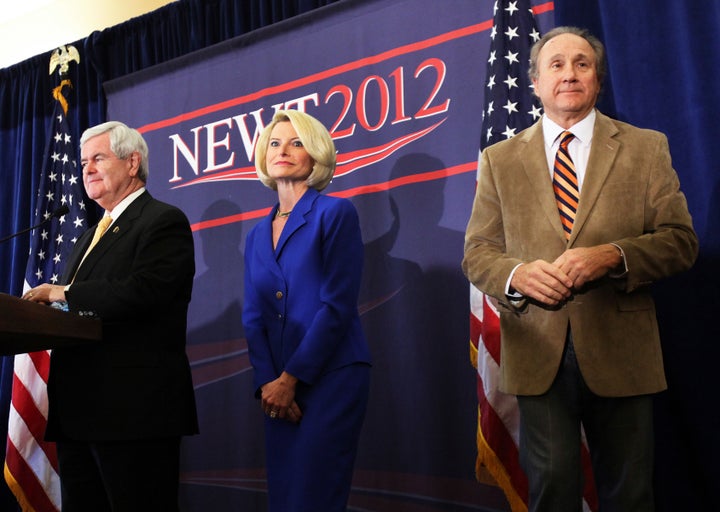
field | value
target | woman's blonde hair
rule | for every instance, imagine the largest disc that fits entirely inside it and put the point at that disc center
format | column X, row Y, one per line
column 315, row 139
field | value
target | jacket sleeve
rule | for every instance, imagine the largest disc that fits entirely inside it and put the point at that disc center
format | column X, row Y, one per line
column 485, row 262
column 668, row 244
column 254, row 325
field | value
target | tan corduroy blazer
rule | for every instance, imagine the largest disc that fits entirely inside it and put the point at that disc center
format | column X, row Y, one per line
column 630, row 197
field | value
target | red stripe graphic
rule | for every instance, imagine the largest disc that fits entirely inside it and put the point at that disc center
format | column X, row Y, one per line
column 352, row 192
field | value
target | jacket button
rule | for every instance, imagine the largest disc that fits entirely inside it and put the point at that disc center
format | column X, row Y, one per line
column 279, row 295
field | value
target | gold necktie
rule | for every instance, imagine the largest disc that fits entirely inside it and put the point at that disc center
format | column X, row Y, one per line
column 99, row 231
column 565, row 184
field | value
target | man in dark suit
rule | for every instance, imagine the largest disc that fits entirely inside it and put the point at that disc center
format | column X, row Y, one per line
column 580, row 342
column 118, row 409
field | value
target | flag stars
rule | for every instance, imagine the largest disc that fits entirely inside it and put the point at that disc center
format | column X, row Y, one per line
column 512, row 57
column 511, row 82
column 511, row 8
column 60, row 185
column 491, row 82
column 492, row 58
column 511, row 106
column 535, row 35
column 511, row 32
column 509, row 132
column 536, row 112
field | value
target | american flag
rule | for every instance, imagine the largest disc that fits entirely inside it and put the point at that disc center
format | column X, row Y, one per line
column 510, row 106
column 31, row 468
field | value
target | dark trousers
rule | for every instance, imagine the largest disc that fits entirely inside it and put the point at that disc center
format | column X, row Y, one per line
column 619, row 432
column 119, row 476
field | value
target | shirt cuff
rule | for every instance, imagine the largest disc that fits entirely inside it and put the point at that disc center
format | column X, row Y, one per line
column 513, row 296
column 621, row 270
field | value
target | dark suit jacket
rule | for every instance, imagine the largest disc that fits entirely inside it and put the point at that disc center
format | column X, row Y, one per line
column 136, row 382
column 300, row 312
column 630, row 197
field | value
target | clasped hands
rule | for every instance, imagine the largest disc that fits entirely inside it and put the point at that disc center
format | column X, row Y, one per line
column 278, row 399
column 553, row 283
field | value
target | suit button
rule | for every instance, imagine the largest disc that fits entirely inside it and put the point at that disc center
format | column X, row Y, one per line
column 279, row 295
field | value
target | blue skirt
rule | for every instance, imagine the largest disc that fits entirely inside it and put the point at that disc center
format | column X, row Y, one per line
column 310, row 465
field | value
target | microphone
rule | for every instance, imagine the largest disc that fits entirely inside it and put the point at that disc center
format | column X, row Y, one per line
column 57, row 213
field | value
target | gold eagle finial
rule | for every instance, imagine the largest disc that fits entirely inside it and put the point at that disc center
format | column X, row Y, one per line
column 61, row 57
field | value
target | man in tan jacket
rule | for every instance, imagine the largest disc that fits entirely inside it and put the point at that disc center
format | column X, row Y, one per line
column 580, row 343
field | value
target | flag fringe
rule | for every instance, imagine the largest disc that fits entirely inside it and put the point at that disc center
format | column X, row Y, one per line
column 486, row 457
column 489, row 460
column 17, row 490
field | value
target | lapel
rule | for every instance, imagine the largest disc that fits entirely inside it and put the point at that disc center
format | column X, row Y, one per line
column 603, row 152
column 76, row 256
column 115, row 233
column 297, row 219
column 266, row 254
column 534, row 161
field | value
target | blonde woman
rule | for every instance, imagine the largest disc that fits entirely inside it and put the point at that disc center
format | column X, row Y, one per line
column 303, row 264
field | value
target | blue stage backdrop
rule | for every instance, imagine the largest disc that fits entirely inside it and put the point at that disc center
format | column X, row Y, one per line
column 399, row 84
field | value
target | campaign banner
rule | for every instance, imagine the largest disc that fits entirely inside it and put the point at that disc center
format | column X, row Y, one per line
column 399, row 84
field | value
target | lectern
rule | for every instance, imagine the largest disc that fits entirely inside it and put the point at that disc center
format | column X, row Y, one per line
column 29, row 327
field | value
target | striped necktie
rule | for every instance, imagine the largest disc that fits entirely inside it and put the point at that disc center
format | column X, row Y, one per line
column 565, row 184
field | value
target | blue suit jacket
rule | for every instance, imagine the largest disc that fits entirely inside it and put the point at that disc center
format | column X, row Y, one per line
column 300, row 312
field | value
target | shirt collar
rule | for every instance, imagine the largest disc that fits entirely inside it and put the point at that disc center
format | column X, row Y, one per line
column 583, row 130
column 122, row 205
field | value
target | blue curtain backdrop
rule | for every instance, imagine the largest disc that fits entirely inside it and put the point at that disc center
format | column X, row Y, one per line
column 663, row 69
